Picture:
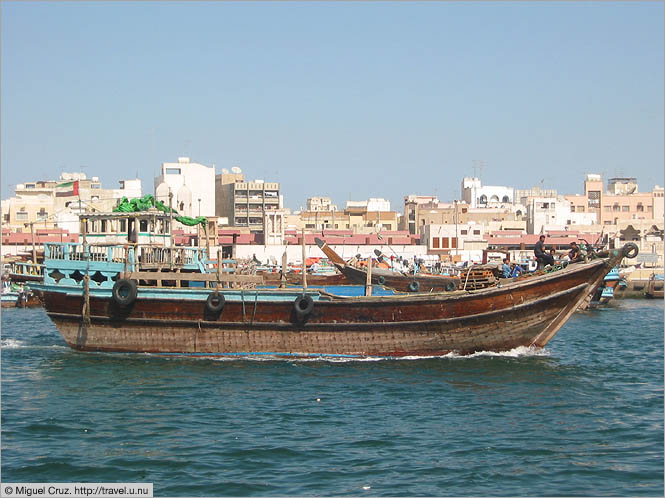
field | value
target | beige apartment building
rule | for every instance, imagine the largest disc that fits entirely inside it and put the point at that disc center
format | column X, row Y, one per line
column 52, row 203
column 620, row 202
column 421, row 211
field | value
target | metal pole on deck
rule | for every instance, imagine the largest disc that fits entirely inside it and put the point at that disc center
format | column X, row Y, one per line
column 304, row 263
column 86, row 277
column 170, row 229
column 282, row 282
column 368, row 282
column 34, row 252
column 219, row 267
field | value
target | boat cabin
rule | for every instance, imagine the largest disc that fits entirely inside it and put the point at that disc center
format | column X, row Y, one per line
column 143, row 227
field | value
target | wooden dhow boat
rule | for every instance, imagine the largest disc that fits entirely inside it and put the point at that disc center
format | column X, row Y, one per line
column 114, row 314
column 421, row 282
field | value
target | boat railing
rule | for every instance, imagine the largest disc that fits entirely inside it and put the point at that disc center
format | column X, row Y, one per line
column 150, row 256
column 25, row 268
column 74, row 251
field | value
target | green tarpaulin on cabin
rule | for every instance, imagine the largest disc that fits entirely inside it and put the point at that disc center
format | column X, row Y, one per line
column 147, row 201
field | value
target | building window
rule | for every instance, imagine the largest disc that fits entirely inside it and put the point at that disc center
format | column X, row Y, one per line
column 594, row 198
column 572, row 209
column 625, row 209
column 476, row 232
column 580, row 209
column 616, row 207
column 96, row 185
column 483, row 199
column 464, row 232
column 143, row 225
column 453, row 241
column 505, row 199
column 172, row 171
column 464, row 210
column 444, row 242
column 435, row 242
column 640, row 207
column 42, row 214
column 608, row 209
column 29, row 185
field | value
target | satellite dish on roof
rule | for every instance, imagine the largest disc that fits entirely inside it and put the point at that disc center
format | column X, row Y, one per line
column 225, row 171
column 236, row 170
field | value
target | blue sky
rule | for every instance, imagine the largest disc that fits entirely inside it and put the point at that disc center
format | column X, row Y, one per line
column 348, row 99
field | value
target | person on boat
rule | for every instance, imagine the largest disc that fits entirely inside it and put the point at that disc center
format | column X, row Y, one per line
column 574, row 254
column 517, row 271
column 553, row 254
column 505, row 268
column 541, row 256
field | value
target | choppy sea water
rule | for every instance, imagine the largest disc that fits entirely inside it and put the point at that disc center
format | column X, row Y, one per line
column 583, row 417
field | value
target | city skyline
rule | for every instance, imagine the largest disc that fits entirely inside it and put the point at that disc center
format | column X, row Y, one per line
column 349, row 101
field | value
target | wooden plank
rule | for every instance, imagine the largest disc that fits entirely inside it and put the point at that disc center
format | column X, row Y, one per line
column 193, row 277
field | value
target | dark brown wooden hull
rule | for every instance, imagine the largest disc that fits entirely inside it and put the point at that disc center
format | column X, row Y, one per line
column 526, row 313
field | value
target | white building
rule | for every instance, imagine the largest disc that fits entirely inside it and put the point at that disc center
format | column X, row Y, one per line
column 477, row 195
column 551, row 213
column 373, row 204
column 320, row 204
column 191, row 184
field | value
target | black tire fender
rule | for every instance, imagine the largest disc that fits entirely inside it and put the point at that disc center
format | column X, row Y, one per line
column 414, row 286
column 215, row 302
column 630, row 250
column 450, row 286
column 125, row 291
column 381, row 280
column 303, row 305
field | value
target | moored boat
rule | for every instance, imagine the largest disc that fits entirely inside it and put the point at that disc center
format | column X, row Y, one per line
column 654, row 287
column 420, row 282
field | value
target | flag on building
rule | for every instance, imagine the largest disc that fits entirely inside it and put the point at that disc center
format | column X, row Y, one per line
column 67, row 189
